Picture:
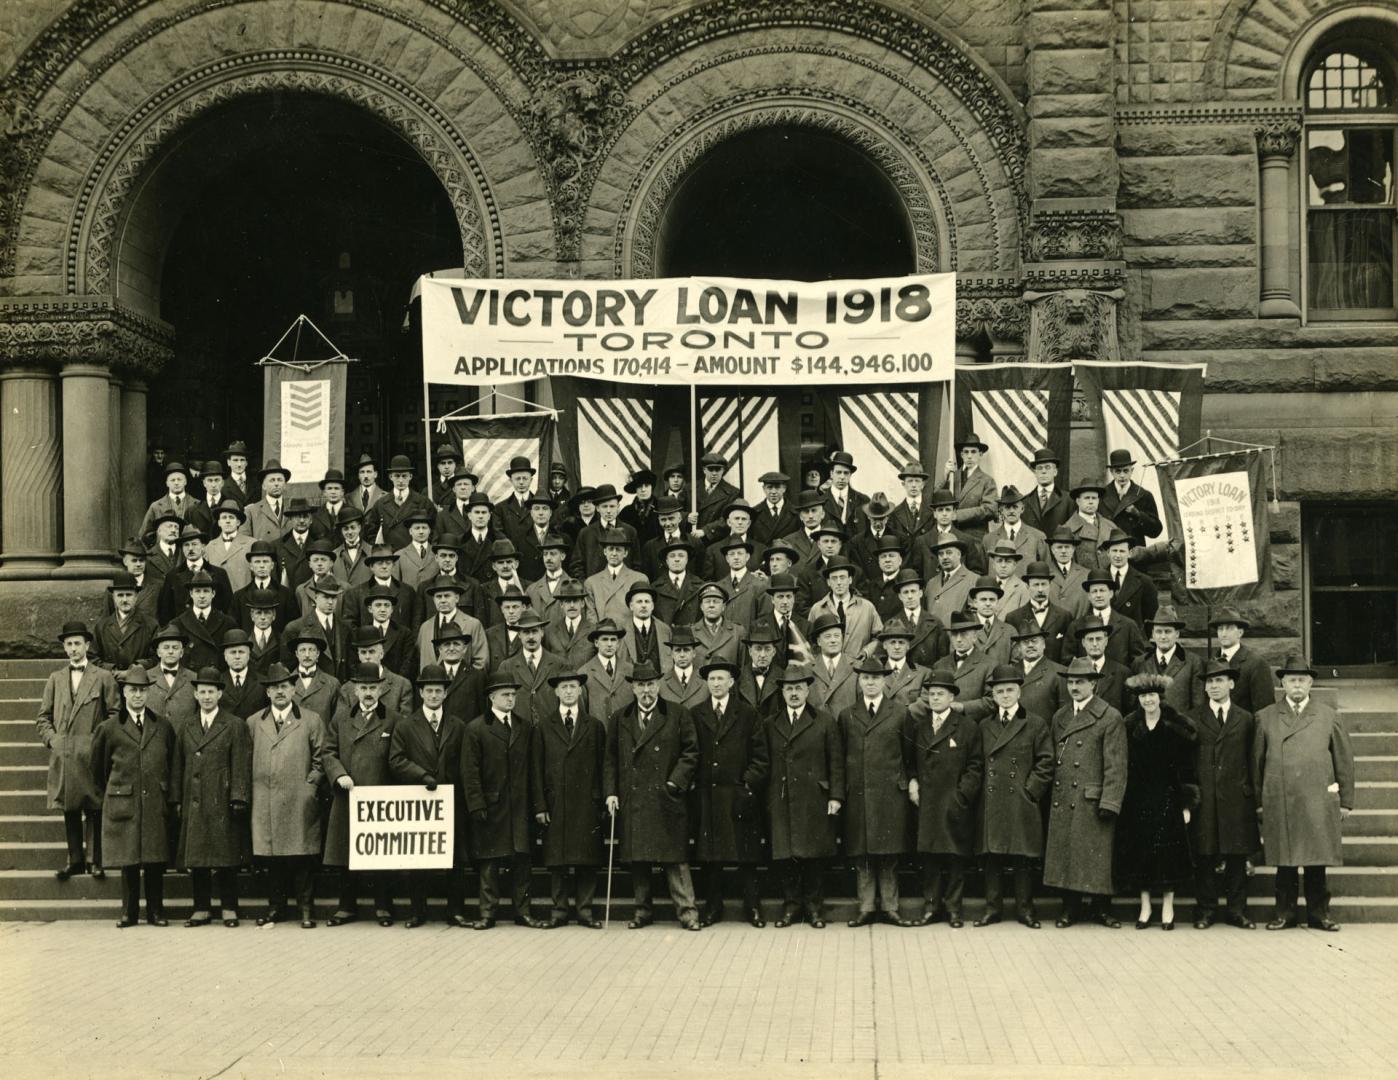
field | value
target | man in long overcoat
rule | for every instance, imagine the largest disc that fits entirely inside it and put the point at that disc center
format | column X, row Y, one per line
column 1017, row 752
column 357, row 744
column 1305, row 771
column 876, row 783
column 942, row 759
column 728, row 784
column 569, row 757
column 425, row 748
column 496, row 753
column 215, row 771
column 126, row 635
column 652, row 753
column 805, row 791
column 288, row 744
column 77, row 698
column 1225, row 822
column 134, row 765
column 1089, row 783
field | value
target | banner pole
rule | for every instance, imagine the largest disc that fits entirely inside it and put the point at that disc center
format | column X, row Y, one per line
column 694, row 448
column 427, row 438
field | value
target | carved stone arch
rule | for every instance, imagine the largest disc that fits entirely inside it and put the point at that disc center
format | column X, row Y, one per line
column 643, row 208
column 94, row 234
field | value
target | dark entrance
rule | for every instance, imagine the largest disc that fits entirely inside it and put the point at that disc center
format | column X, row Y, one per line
column 787, row 202
column 1352, row 578
column 294, row 204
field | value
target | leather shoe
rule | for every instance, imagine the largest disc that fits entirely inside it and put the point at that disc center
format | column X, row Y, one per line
column 638, row 923
column 589, row 922
column 532, row 923
column 864, row 918
column 483, row 924
column 193, row 921
column 1323, row 922
column 124, row 922
column 955, row 921
column 1107, row 919
column 1203, row 922
column 817, row 923
column 557, row 921
column 1167, row 925
column 276, row 915
column 340, row 918
column 1064, row 921
column 385, row 920
column 990, row 918
column 755, row 919
column 710, row 917
column 930, row 917
column 1242, row 922
column 1282, row 924
column 414, row 922
column 157, row 920
column 68, row 871
column 689, row 922
column 460, row 921
column 98, row 874
column 1031, row 921
column 1141, row 924
column 230, row 922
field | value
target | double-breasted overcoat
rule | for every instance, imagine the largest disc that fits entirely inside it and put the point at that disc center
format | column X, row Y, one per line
column 654, row 822
column 215, row 769
column 1089, row 775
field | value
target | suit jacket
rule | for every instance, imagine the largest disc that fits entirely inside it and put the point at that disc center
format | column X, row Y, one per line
column 416, row 754
column 642, row 517
column 147, row 595
column 1049, row 517
column 1137, row 598
column 574, row 651
column 166, row 505
column 1044, row 691
column 264, row 658
column 606, row 596
column 1015, row 596
column 797, row 644
column 262, row 524
column 652, row 563
column 862, row 622
column 903, row 522
column 1111, row 687
column 415, row 570
column 324, row 524
column 853, row 520
column 474, row 560
column 715, row 566
column 1254, row 689
column 677, row 606
column 1028, row 541
column 291, row 557
column 305, row 599
column 317, row 697
column 354, row 606
column 364, row 499
column 232, row 558
column 803, row 544
column 947, row 598
column 923, row 558
column 159, row 565
column 995, row 642
column 604, row 694
column 713, row 502
column 511, row 517
column 1092, row 534
column 661, row 633
column 395, row 694
column 535, row 699
column 834, row 692
column 766, row 527
column 974, row 696
column 905, row 685
column 386, row 521
column 501, row 645
column 863, row 552
column 1055, row 624
column 174, row 702
column 976, row 496
column 465, row 698
column 243, row 701
column 473, row 600
column 723, row 643
column 531, row 554
column 1066, row 591
column 1135, row 512
column 351, row 572
column 690, row 694
column 1125, row 642
column 116, row 646
column 749, row 603
column 478, row 649
column 587, row 558
column 241, row 491
column 335, row 658
column 205, row 637
column 174, row 591
column 542, row 599
column 1186, row 692
column 288, row 607
column 930, row 641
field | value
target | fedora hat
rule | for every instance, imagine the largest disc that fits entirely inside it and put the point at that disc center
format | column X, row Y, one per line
column 682, row 637
column 442, row 583
column 1005, row 550
column 829, row 529
column 133, row 547
column 1116, row 536
column 949, row 542
column 299, row 505
column 779, row 548
column 200, row 579
column 365, row 637
column 939, row 680
column 554, row 542
column 986, row 583
column 312, row 635
column 567, row 676
column 1217, row 666
column 668, row 504
column 366, row 459
column 1165, row 616
column 1090, row 624
column 274, row 466
column 329, row 586
column 908, row 576
column 837, row 562
column 519, row 463
column 1099, row 576
column 1009, row 495
column 529, row 621
column 192, row 532
column 503, row 549
column 231, row 506
column 169, row 632
column 1296, row 664
column 381, row 592
column 1086, row 484
column 1226, row 616
column 972, row 440
column 604, row 493
column 1080, row 668
column 135, row 675
column 894, row 628
column 796, row 673
column 512, row 592
column 941, row 497
column 276, row 674
column 962, row 621
column 450, row 632
column 1064, row 535
column 570, row 589
column 878, row 507
column 739, row 504
column 643, row 673
column 380, row 553
column 733, row 543
column 1044, row 456
column 606, row 628
column 761, row 632
column 1029, row 629
column 238, row 447
column 1004, row 673
column 871, row 666
column 718, row 665
column 446, row 452
column 809, row 499
column 827, row 620
column 912, row 468
column 463, row 473
column 332, row 476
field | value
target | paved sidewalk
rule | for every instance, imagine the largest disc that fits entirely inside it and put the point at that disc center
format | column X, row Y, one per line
column 81, row 999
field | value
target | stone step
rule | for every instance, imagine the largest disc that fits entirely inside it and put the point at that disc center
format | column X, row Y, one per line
column 26, row 751
column 1371, row 823
column 47, row 825
column 1369, row 743
column 1376, row 794
column 20, row 709
column 32, row 854
column 1370, row 721
column 1376, row 767
column 28, row 669
column 1344, row 909
column 1371, row 850
column 27, row 687
column 28, row 801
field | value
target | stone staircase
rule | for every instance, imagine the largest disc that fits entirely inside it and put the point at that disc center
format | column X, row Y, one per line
column 32, row 847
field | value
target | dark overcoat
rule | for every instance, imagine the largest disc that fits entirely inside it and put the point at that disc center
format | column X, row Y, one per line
column 732, row 770
column 1018, row 770
column 172, row 702
column 287, row 772
column 1089, row 774
column 654, row 824
column 876, row 780
column 1225, row 822
column 495, row 765
column 356, row 746
column 243, row 701
column 947, row 766
column 567, row 785
column 1296, row 760
column 116, row 646
column 1152, row 839
column 215, row 769
column 807, row 770
column 415, row 753
column 67, row 723
column 137, row 771
column 1255, row 688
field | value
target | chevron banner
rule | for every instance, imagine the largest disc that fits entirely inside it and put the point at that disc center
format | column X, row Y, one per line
column 489, row 442
column 1016, row 409
column 303, row 421
column 743, row 428
column 881, row 431
column 1152, row 410
column 614, row 438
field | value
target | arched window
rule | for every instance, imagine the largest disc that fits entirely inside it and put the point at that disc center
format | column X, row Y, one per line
column 1351, row 122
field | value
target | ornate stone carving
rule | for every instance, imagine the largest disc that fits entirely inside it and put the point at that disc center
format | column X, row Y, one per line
column 1050, row 277
column 95, row 329
column 1277, row 138
column 1209, row 112
column 1074, row 234
column 146, row 133
column 1073, row 324
column 991, row 306
column 638, row 229
column 571, row 121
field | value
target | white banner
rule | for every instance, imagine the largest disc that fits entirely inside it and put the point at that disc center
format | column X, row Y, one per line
column 1216, row 515
column 402, row 827
column 690, row 331
column 306, row 427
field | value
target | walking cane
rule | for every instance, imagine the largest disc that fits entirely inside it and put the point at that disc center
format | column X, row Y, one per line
column 611, row 856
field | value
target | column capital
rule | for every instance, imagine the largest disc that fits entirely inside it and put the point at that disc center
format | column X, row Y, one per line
column 54, row 331
column 1277, row 138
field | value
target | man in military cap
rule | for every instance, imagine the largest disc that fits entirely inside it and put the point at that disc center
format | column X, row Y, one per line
column 266, row 517
column 719, row 637
column 124, row 637
column 1011, row 529
column 1128, row 504
column 944, row 767
column 386, row 522
column 568, row 766
column 558, row 490
column 652, row 754
column 1089, row 783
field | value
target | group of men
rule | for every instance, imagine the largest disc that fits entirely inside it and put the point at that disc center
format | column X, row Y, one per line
column 727, row 684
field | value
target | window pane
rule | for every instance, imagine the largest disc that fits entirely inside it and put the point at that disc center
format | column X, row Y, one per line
column 1350, row 259
column 1353, row 546
column 1349, row 166
column 1354, row 629
column 1344, row 80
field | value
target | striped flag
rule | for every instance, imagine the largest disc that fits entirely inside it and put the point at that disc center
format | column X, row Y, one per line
column 614, row 438
column 744, row 430
column 1016, row 409
column 489, row 442
column 1151, row 410
column 880, row 430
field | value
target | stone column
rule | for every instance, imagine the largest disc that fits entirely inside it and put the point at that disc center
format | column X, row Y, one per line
column 1276, row 146
column 114, row 493
column 30, row 472
column 87, row 446
column 133, row 457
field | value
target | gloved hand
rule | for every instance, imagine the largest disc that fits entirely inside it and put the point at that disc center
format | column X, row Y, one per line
column 430, row 783
column 345, row 782
column 613, row 804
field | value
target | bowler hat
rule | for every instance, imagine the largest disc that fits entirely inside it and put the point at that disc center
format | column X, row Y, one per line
column 1099, row 577
column 512, row 592
column 1037, row 570
column 941, row 497
column 520, row 464
column 567, row 676
column 1086, row 484
column 348, row 515
column 837, row 562
column 275, row 675
column 400, row 463
column 176, row 467
column 972, row 440
column 463, row 474
column 262, row 600
column 135, row 675
column 208, row 676
column 122, row 582
column 332, row 476
column 232, row 639
column 381, row 592
column 738, row 504
column 478, row 498
column 273, row 465
column 75, row 628
column 448, row 542
column 433, row 673
column 1120, row 459
column 668, row 504
column 810, row 498
column 420, row 514
column 604, row 493
column 312, row 635
column 1044, row 456
column 260, row 547
column 212, row 468
column 365, row 637
column 718, row 665
column 845, row 458
column 320, row 547
column 538, row 499
column 645, row 672
column 1006, row 673
column 299, row 505
column 366, row 673
column 640, row 588
column 940, row 680
column 826, row 620
column 782, row 583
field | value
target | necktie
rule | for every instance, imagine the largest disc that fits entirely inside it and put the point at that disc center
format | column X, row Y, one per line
column 871, row 710
column 642, row 719
column 794, row 716
column 1160, row 660
column 261, row 639
column 1005, row 717
column 1218, row 715
column 718, row 711
column 277, row 509
column 568, row 722
column 736, row 583
column 534, row 664
column 840, row 612
column 139, row 720
column 207, row 719
column 451, row 671
column 677, row 580
column 1043, row 498
column 1117, row 572
column 1010, row 536
column 913, row 507
column 435, row 719
column 608, row 665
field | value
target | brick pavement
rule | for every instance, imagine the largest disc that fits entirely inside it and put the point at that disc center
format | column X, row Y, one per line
column 85, row 999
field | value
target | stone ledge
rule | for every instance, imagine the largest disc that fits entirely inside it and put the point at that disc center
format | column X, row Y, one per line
column 32, row 611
